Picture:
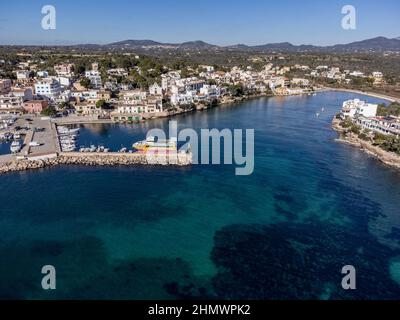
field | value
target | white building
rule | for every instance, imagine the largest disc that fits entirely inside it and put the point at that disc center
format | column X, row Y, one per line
column 378, row 77
column 24, row 93
column 64, row 81
column 63, row 97
column 23, row 75
column 11, row 104
column 183, row 98
column 117, row 72
column 384, row 125
column 155, row 89
column 133, row 97
column 300, row 82
column 64, row 70
column 207, row 68
column 153, row 106
column 169, row 79
column 357, row 107
column 49, row 88
column 87, row 108
column 42, row 74
column 95, row 78
column 85, row 95
column 357, row 74
column 131, row 109
column 210, row 91
column 377, row 74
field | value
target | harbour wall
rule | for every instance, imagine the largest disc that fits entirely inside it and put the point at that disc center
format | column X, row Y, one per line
column 98, row 159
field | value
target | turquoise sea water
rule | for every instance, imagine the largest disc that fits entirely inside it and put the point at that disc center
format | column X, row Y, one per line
column 311, row 206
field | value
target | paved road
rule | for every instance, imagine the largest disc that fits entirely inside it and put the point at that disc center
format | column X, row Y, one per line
column 6, row 158
column 45, row 137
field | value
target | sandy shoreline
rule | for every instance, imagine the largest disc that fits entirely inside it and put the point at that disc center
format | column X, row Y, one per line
column 366, row 93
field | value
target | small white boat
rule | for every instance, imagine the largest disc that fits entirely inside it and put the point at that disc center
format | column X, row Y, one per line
column 66, row 143
column 7, row 136
column 67, row 140
column 65, row 130
column 34, row 144
column 68, row 147
column 15, row 147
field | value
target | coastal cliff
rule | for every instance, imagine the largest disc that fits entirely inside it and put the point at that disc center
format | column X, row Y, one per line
column 388, row 158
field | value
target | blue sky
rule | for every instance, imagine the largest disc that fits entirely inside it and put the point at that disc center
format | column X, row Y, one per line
column 220, row 22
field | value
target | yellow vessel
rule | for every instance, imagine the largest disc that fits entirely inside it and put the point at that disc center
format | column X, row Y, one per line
column 150, row 144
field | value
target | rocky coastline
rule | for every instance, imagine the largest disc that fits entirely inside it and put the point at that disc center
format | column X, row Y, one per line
column 389, row 158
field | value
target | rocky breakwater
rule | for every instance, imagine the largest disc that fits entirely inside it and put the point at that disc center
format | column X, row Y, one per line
column 111, row 159
column 99, row 159
column 22, row 165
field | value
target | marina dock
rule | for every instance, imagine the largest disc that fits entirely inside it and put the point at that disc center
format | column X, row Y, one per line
column 42, row 148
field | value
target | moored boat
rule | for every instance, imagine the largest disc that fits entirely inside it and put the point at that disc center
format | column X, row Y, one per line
column 150, row 144
column 15, row 146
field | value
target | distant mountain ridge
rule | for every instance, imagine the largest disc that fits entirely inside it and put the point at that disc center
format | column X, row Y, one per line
column 378, row 44
column 374, row 44
column 151, row 44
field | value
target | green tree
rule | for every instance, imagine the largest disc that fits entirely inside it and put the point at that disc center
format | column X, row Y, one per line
column 100, row 104
column 79, row 68
column 236, row 90
column 49, row 111
column 392, row 110
column 85, row 82
column 103, row 104
column 64, row 105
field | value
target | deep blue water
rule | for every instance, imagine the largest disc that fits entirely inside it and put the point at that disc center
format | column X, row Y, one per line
column 5, row 147
column 311, row 206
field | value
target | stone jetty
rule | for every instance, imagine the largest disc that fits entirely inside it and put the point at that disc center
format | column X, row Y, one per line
column 98, row 159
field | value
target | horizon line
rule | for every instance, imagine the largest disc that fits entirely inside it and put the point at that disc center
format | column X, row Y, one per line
column 66, row 44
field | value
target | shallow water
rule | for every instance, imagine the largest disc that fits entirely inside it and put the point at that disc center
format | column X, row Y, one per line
column 311, row 206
